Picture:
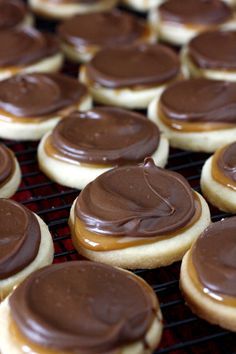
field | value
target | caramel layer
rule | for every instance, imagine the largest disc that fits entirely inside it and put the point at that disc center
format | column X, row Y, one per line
column 218, row 174
column 219, row 298
column 183, row 126
column 97, row 242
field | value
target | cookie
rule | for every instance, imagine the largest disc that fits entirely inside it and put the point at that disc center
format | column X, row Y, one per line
column 10, row 174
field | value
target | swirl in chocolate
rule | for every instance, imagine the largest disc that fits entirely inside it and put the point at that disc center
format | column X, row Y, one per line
column 103, row 29
column 33, row 95
column 136, row 201
column 214, row 258
column 25, row 46
column 12, row 13
column 83, row 307
column 104, row 136
column 200, row 100
column 7, row 165
column 19, row 237
column 195, row 12
column 141, row 66
column 225, row 163
column 214, row 50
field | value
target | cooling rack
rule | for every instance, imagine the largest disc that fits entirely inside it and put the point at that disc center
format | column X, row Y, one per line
column 183, row 331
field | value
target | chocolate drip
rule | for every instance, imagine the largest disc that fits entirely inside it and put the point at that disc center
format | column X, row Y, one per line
column 200, row 100
column 33, row 95
column 227, row 162
column 197, row 12
column 136, row 201
column 83, row 307
column 214, row 257
column 19, row 237
column 7, row 164
column 214, row 50
column 104, row 135
column 103, row 29
column 143, row 65
column 12, row 13
column 25, row 46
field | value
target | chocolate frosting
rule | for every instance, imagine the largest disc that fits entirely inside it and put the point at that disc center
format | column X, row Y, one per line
column 12, row 13
column 102, row 28
column 214, row 50
column 83, row 307
column 19, row 237
column 143, row 65
column 25, row 46
column 7, row 164
column 227, row 162
column 198, row 12
column 105, row 135
column 136, row 201
column 214, row 257
column 200, row 100
column 33, row 95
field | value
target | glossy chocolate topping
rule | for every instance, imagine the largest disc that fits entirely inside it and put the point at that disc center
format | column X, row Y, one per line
column 227, row 162
column 19, row 237
column 198, row 12
column 83, row 307
column 12, row 13
column 200, row 100
column 25, row 46
column 7, row 164
column 106, row 136
column 214, row 50
column 136, row 201
column 33, row 95
column 214, row 257
column 103, row 29
column 143, row 65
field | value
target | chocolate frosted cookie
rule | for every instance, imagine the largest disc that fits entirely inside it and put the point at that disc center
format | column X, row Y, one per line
column 212, row 55
column 84, row 145
column 32, row 104
column 63, row 9
column 130, row 76
column 26, row 244
column 208, row 274
column 218, row 179
column 28, row 50
column 81, row 307
column 178, row 21
column 197, row 114
column 138, row 216
column 14, row 13
column 82, row 36
column 10, row 174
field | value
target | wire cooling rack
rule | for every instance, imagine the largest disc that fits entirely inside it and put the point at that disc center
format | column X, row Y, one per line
column 183, row 331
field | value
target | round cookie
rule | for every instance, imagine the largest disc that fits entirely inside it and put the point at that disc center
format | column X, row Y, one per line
column 81, row 307
column 178, row 21
column 26, row 245
column 142, row 5
column 10, row 174
column 197, row 114
column 32, row 104
column 84, row 35
column 63, row 9
column 202, row 57
column 84, row 145
column 218, row 178
column 25, row 50
column 130, row 77
column 14, row 13
column 208, row 275
column 137, row 216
